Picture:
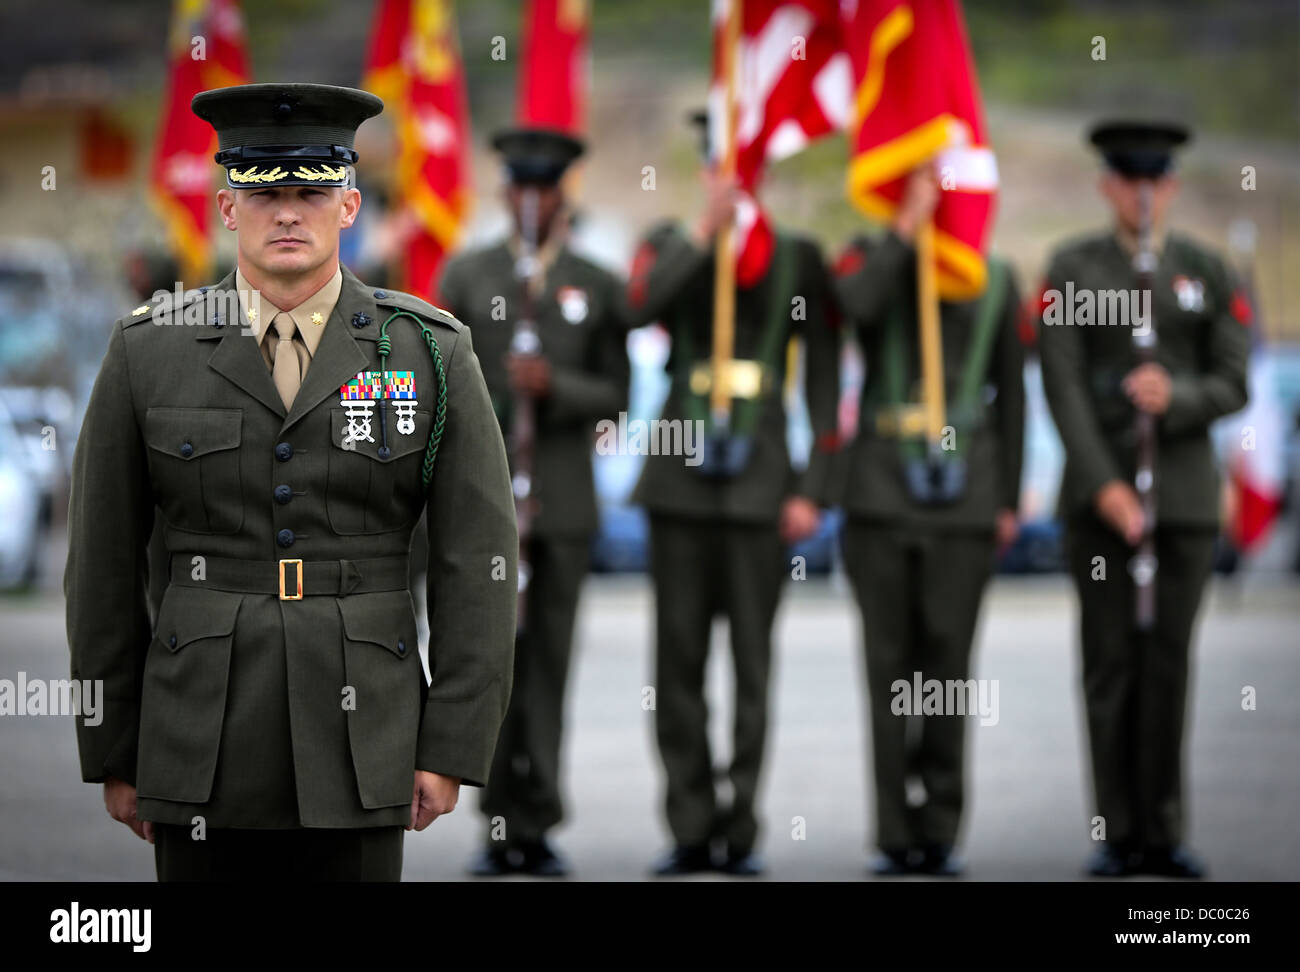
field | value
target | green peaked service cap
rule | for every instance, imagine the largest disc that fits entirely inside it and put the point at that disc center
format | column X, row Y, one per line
column 290, row 134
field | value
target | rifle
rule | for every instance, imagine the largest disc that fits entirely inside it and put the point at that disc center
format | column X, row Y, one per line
column 1143, row 564
column 523, row 424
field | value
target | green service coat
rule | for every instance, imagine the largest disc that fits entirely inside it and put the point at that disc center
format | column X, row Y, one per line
column 672, row 283
column 1201, row 342
column 876, row 279
column 235, row 704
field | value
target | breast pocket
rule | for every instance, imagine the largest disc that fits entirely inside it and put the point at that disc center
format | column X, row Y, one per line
column 374, row 482
column 194, row 462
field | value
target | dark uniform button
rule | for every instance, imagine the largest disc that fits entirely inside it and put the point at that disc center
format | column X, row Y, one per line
column 380, row 294
column 284, row 452
column 172, row 641
column 187, row 450
column 383, row 452
column 401, row 647
column 284, row 538
column 283, row 494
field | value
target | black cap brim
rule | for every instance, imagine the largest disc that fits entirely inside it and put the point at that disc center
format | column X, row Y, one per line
column 1138, row 149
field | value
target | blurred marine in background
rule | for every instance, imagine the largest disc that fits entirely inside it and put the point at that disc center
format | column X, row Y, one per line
column 549, row 331
column 1098, row 383
column 919, row 548
column 718, row 535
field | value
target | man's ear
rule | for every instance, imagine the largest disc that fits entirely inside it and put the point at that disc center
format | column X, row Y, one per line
column 226, row 206
column 351, row 206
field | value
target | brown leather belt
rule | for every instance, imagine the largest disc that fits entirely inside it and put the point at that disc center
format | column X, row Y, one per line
column 292, row 579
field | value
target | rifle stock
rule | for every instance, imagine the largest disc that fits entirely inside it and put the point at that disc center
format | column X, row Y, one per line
column 1143, row 564
column 523, row 424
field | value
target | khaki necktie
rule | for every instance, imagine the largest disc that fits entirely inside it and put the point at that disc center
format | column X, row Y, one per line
column 285, row 371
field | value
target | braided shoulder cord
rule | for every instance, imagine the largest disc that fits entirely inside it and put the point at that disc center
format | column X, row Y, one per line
column 440, row 411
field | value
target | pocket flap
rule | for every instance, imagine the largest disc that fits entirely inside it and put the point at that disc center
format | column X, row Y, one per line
column 187, row 433
column 384, row 618
column 189, row 614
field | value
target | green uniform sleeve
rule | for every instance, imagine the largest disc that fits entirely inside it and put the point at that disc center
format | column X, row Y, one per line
column 821, row 340
column 663, row 265
column 867, row 276
column 600, row 388
column 472, row 581
column 105, row 583
column 1010, row 402
column 1068, row 398
column 1220, row 389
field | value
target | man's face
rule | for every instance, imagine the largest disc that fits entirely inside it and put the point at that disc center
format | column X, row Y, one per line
column 1124, row 195
column 288, row 231
column 550, row 199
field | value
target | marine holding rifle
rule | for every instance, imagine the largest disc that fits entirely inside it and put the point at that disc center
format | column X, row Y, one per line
column 926, row 514
column 1140, row 493
column 720, row 519
column 548, row 329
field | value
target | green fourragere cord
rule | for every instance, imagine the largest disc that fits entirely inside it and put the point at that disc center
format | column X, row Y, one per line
column 440, row 410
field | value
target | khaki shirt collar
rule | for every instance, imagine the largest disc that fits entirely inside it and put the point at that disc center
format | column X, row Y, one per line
column 1129, row 244
column 547, row 253
column 320, row 303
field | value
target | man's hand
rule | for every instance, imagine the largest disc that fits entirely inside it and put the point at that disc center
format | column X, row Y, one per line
column 719, row 208
column 529, row 374
column 1148, row 387
column 920, row 198
column 434, row 795
column 1119, row 508
column 1006, row 529
column 119, row 798
column 799, row 519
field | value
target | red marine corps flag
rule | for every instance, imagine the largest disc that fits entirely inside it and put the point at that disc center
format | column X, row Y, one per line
column 414, row 65
column 205, row 50
column 792, row 86
column 553, row 78
column 916, row 99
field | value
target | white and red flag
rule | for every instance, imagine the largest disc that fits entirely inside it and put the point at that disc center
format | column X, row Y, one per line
column 792, row 86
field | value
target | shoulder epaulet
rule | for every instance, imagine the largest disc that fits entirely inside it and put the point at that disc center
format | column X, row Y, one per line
column 162, row 306
column 409, row 302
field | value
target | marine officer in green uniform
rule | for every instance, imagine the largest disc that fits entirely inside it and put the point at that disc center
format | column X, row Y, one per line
column 924, row 528
column 1135, row 682
column 575, row 375
column 720, row 522
column 291, row 424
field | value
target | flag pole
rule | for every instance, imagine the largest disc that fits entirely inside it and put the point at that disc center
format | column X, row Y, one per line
column 724, row 274
column 927, row 301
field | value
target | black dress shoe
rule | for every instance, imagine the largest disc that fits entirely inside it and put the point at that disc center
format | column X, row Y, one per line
column 683, row 860
column 939, row 860
column 542, row 860
column 1174, row 862
column 891, row 862
column 743, row 865
column 1112, row 862
column 496, row 861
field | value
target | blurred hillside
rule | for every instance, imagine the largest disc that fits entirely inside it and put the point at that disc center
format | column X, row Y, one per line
column 1231, row 70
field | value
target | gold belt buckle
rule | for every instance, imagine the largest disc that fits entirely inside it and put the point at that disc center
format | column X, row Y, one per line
column 283, row 595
